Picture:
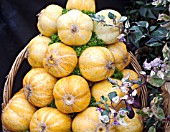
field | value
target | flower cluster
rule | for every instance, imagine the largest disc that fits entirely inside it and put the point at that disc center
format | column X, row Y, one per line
column 130, row 100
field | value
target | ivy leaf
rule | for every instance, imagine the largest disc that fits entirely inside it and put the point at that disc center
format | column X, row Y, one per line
column 144, row 24
column 112, row 95
column 122, row 19
column 92, row 102
column 154, row 44
column 140, row 2
column 143, row 11
column 111, row 16
column 152, row 129
column 104, row 99
column 160, row 33
column 105, row 112
column 166, row 51
column 137, row 32
column 52, row 104
column 150, row 14
column 117, row 74
column 161, row 114
column 155, row 81
column 152, row 28
column 133, row 11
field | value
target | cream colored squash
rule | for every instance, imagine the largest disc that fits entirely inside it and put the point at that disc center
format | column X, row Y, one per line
column 49, row 119
column 96, row 63
column 103, row 88
column 72, row 94
column 108, row 34
column 38, row 87
column 36, row 50
column 87, row 5
column 60, row 60
column 47, row 19
column 75, row 28
column 89, row 121
column 133, row 125
column 17, row 114
column 122, row 57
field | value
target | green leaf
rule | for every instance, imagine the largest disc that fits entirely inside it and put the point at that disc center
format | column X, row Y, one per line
column 143, row 11
column 133, row 11
column 104, row 99
column 64, row 11
column 160, row 33
column 140, row 3
column 155, row 81
column 144, row 24
column 111, row 16
column 99, row 102
column 105, row 112
column 76, row 71
column 152, row 129
column 150, row 14
column 93, row 102
column 88, row 12
column 166, row 51
column 111, row 95
column 152, row 28
column 122, row 19
column 54, row 38
column 161, row 114
column 107, row 107
column 154, row 44
column 137, row 32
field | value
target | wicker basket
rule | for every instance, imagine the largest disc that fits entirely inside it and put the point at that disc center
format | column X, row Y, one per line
column 23, row 54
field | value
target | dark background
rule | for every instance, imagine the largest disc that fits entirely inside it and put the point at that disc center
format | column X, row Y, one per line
column 18, row 25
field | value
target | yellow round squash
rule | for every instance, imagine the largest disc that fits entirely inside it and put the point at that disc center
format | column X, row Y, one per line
column 103, row 88
column 108, row 34
column 38, row 87
column 89, row 121
column 49, row 119
column 122, row 57
column 133, row 125
column 71, row 94
column 74, row 28
column 96, row 63
column 36, row 50
column 87, row 5
column 17, row 114
column 47, row 19
column 60, row 60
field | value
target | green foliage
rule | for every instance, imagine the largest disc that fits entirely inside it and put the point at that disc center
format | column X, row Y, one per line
column 93, row 102
column 112, row 95
column 94, row 41
column 88, row 12
column 54, row 38
column 53, row 104
column 117, row 74
column 76, row 71
column 64, row 11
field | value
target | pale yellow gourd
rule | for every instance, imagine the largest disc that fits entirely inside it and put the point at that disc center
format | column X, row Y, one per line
column 122, row 57
column 103, row 88
column 89, row 121
column 133, row 125
column 17, row 114
column 60, row 60
column 75, row 28
column 38, row 87
column 47, row 19
column 96, row 63
column 86, row 5
column 49, row 119
column 108, row 34
column 36, row 50
column 72, row 94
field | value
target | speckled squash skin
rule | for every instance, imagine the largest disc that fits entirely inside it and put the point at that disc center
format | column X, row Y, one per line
column 108, row 34
column 87, row 5
column 133, row 125
column 122, row 57
column 17, row 114
column 38, row 87
column 75, row 28
column 36, row 50
column 104, row 88
column 60, row 60
column 72, row 94
column 88, row 121
column 96, row 63
column 47, row 19
column 49, row 119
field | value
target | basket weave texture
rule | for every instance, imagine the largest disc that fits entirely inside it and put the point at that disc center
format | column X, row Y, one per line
column 23, row 54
